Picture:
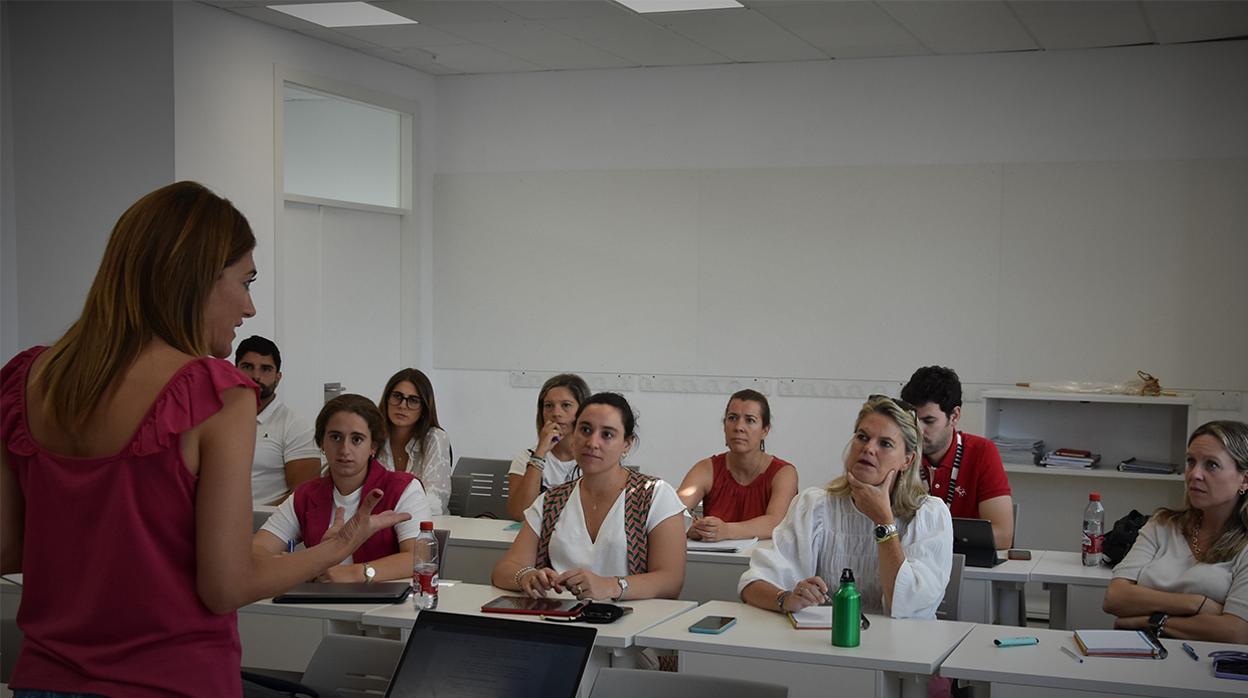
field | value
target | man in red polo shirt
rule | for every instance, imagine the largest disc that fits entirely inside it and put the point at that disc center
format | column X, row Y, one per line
column 961, row 469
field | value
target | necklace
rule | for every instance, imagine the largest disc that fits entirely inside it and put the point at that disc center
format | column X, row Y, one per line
column 1196, row 542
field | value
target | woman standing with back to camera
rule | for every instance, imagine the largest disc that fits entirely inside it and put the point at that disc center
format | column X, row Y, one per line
column 125, row 469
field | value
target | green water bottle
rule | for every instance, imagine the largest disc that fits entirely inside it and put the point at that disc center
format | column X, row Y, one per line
column 846, row 612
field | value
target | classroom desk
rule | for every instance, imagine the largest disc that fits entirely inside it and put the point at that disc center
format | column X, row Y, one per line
column 284, row 636
column 1043, row 670
column 1075, row 592
column 613, row 646
column 896, row 657
column 995, row 594
column 476, row 544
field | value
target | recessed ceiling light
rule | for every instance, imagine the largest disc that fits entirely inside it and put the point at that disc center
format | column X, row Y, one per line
column 343, row 14
column 646, row 6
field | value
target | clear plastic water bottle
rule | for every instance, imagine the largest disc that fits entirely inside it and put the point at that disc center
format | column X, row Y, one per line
column 425, row 568
column 1093, row 530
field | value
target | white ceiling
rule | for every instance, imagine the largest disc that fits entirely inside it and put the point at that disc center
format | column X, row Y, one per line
column 500, row 36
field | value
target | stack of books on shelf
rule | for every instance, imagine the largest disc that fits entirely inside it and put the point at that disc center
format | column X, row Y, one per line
column 1019, row 450
column 1071, row 458
column 1137, row 465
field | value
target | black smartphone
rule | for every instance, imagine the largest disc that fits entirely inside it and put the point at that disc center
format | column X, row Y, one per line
column 712, row 625
column 1018, row 554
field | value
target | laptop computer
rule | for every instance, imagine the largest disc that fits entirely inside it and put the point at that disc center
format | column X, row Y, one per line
column 346, row 592
column 452, row 654
column 973, row 538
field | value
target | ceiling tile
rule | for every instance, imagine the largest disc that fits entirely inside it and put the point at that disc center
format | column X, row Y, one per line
column 423, row 61
column 742, row 35
column 637, row 40
column 1070, row 24
column 564, row 9
column 844, row 29
column 536, row 44
column 963, row 26
column 467, row 58
column 439, row 12
column 1176, row 22
column 403, row 36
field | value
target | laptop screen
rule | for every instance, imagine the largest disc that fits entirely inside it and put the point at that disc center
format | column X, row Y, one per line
column 450, row 655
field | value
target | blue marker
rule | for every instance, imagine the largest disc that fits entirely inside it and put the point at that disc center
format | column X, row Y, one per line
column 1015, row 641
column 290, row 546
column 1190, row 652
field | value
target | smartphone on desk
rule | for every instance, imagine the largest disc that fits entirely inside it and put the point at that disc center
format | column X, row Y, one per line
column 1017, row 554
column 712, row 625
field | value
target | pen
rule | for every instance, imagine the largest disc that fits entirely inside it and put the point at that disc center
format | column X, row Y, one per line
column 1073, row 656
column 1190, row 652
column 290, row 546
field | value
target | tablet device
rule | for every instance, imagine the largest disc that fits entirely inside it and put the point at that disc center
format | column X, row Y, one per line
column 346, row 592
column 534, row 607
column 973, row 538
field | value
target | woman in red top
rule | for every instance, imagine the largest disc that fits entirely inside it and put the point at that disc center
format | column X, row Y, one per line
column 745, row 492
column 125, row 468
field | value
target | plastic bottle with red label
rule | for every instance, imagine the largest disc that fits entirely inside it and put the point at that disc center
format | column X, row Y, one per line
column 1093, row 530
column 425, row 568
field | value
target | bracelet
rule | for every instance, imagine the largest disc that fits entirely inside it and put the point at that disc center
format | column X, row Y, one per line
column 520, row 574
column 1203, row 599
column 780, row 598
column 887, row 538
column 538, row 463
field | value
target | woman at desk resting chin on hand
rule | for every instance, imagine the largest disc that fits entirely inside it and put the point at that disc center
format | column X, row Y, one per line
column 745, row 492
column 551, row 462
column 610, row 535
column 1187, row 574
column 349, row 430
column 877, row 520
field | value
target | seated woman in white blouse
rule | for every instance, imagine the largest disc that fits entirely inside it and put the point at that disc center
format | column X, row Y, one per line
column 415, row 443
column 551, row 462
column 1187, row 574
column 877, row 520
column 580, row 535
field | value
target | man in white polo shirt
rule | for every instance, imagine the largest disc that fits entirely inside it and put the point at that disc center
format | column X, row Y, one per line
column 285, row 452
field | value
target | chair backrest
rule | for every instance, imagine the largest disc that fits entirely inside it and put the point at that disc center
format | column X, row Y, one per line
column 630, row 683
column 352, row 665
column 952, row 603
column 442, row 535
column 1015, row 537
column 479, row 487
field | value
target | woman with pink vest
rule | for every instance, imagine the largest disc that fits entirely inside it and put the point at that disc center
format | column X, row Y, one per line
column 349, row 430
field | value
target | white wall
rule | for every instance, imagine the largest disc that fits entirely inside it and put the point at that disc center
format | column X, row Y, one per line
column 91, row 130
column 224, row 106
column 1040, row 116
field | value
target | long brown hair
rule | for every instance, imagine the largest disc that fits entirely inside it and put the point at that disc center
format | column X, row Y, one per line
column 428, row 409
column 162, row 259
column 1234, row 535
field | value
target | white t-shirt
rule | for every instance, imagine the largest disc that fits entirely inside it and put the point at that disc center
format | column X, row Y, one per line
column 281, row 437
column 823, row 534
column 556, row 473
column 1161, row 559
column 431, row 462
column 285, row 525
column 570, row 546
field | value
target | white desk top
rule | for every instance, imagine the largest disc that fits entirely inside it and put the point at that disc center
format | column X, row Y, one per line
column 1008, row 571
column 905, row 646
column 459, row 597
column 477, row 533
column 1045, row 665
column 1067, row 568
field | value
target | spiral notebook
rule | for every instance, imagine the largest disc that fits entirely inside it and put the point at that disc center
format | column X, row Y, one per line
column 1119, row 643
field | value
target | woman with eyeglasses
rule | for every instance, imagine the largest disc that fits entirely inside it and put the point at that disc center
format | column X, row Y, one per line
column 745, row 491
column 415, row 442
column 1186, row 576
column 877, row 519
column 350, row 429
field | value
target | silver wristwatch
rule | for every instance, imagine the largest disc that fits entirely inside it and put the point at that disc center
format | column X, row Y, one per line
column 885, row 531
column 370, row 573
column 623, row 587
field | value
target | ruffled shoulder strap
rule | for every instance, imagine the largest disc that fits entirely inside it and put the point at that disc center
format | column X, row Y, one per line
column 13, row 378
column 191, row 396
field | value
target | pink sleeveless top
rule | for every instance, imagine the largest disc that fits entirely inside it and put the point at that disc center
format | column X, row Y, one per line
column 109, row 602
column 731, row 501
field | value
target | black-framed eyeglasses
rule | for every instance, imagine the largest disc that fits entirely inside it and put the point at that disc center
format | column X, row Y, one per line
column 413, row 401
column 896, row 401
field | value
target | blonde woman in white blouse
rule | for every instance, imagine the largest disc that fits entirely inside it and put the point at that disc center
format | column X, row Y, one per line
column 877, row 520
column 1187, row 574
column 415, row 441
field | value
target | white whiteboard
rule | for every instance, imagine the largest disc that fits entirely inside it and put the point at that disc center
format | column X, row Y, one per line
column 1007, row 272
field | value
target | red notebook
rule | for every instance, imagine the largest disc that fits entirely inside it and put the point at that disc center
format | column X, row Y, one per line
column 559, row 608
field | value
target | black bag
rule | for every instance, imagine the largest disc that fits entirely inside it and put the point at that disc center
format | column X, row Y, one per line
column 1119, row 540
column 264, row 686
